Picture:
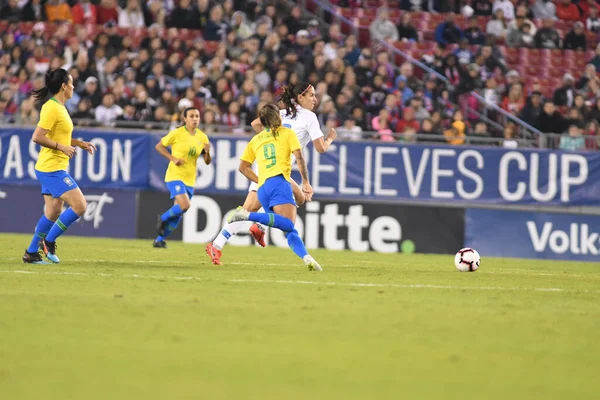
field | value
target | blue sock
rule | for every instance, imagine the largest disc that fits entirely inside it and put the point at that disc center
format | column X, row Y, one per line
column 296, row 244
column 172, row 212
column 171, row 226
column 63, row 222
column 274, row 220
column 41, row 230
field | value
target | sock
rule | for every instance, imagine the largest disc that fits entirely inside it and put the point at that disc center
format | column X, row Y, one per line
column 172, row 212
column 171, row 226
column 230, row 230
column 41, row 230
column 63, row 222
column 274, row 220
column 296, row 244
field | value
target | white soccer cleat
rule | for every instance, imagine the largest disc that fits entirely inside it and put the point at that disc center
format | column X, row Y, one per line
column 239, row 215
column 312, row 264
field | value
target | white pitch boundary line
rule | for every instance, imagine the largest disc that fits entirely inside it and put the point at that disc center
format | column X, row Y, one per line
column 301, row 282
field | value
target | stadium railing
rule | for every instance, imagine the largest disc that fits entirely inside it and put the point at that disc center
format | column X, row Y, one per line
column 527, row 131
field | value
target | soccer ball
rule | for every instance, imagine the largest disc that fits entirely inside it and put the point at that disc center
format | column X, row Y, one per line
column 467, row 260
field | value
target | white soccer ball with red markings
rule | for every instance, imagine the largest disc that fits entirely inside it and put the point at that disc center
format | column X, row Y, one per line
column 467, row 260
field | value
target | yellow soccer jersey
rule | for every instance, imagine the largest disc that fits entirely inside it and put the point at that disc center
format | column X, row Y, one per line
column 272, row 153
column 55, row 118
column 186, row 147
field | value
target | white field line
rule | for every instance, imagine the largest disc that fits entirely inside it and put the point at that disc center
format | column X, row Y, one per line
column 299, row 282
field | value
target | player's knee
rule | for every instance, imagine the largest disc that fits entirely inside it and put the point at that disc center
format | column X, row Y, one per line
column 79, row 206
column 185, row 205
column 300, row 199
column 52, row 214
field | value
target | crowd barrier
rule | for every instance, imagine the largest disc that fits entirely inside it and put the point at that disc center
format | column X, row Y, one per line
column 368, row 196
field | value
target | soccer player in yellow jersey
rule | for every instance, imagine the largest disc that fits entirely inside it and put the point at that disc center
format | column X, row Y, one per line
column 187, row 144
column 54, row 134
column 272, row 149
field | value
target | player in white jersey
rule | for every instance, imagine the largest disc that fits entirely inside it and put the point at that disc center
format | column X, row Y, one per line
column 298, row 101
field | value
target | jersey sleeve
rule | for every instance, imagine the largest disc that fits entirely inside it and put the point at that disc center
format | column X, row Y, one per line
column 249, row 155
column 313, row 127
column 48, row 117
column 169, row 139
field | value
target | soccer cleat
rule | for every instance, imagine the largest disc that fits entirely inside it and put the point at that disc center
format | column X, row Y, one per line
column 159, row 244
column 49, row 249
column 238, row 215
column 312, row 264
column 258, row 233
column 33, row 258
column 161, row 226
column 214, row 254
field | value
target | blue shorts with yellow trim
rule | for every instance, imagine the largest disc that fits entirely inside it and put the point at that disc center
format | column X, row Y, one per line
column 55, row 183
column 274, row 192
column 178, row 187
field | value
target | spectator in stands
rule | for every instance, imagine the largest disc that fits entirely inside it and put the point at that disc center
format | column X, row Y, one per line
column 463, row 52
column 408, row 120
column 507, row 8
column 33, row 11
column 497, row 26
column 216, row 27
column 11, row 11
column 427, row 128
column 575, row 39
column 127, row 117
column 567, row 11
column 588, row 75
column 239, row 24
column 520, row 36
column 474, row 34
column 448, row 32
column 482, row 8
column 154, row 13
column 456, row 133
column 84, row 12
column 381, row 125
column 416, row 103
column 417, row 5
column 406, row 30
column 544, row 9
column 184, row 16
column 27, row 115
column 132, row 16
column 107, row 112
column 92, row 91
column 591, row 132
column 520, row 19
column 294, row 21
column 107, row 11
column 83, row 112
column 382, row 28
column 58, row 10
column 470, row 79
column 515, row 101
column 592, row 22
column 509, row 137
column 565, row 95
column 550, row 120
column 451, row 69
column 573, row 142
column 533, row 109
column 350, row 131
column 547, row 37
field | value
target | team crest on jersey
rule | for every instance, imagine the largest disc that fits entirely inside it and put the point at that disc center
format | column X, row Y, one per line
column 178, row 188
column 68, row 181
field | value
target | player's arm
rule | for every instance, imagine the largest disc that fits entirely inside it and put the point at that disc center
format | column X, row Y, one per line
column 206, row 151
column 87, row 146
column 162, row 150
column 316, row 135
column 40, row 137
column 246, row 170
column 257, row 125
column 306, row 188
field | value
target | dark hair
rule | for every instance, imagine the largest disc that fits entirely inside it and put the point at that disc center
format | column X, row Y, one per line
column 54, row 81
column 290, row 96
column 188, row 109
column 270, row 117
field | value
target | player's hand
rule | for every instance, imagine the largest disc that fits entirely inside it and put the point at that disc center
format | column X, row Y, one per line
column 307, row 190
column 70, row 151
column 207, row 147
column 89, row 147
column 178, row 161
column 332, row 134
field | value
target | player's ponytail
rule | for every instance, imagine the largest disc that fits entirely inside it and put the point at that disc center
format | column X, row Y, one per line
column 289, row 98
column 270, row 118
column 53, row 84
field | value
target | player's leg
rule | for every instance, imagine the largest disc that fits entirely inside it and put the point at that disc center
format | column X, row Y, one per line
column 76, row 200
column 52, row 209
column 182, row 201
column 299, row 196
column 175, row 188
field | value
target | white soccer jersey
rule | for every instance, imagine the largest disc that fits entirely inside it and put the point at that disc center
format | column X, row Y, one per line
column 306, row 125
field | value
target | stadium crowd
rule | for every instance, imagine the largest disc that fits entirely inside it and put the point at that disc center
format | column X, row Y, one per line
column 138, row 61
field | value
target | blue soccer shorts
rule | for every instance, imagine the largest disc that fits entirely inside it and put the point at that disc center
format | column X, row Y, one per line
column 274, row 192
column 178, row 187
column 56, row 183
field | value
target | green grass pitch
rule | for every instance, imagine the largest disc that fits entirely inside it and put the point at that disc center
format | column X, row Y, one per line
column 118, row 319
